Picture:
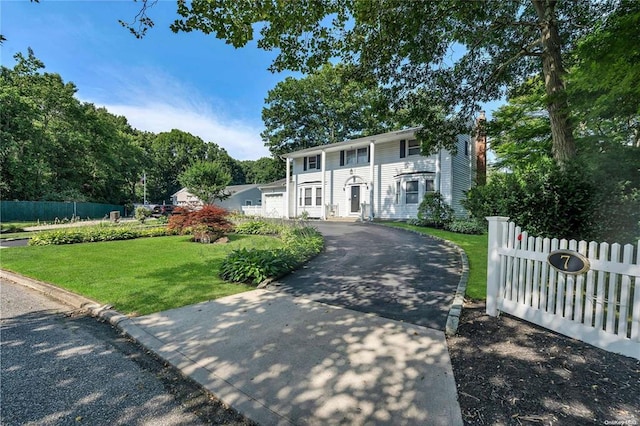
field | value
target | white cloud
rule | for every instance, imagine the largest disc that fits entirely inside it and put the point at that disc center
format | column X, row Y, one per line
column 241, row 140
column 152, row 101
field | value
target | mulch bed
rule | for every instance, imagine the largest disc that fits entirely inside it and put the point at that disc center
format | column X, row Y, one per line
column 511, row 372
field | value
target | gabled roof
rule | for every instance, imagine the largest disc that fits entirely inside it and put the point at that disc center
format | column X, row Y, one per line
column 236, row 189
column 232, row 189
column 355, row 143
column 281, row 183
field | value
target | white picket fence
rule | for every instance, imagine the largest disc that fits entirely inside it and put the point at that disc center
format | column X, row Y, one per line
column 600, row 307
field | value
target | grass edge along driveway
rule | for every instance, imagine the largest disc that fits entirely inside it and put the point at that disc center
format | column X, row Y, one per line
column 475, row 246
column 139, row 276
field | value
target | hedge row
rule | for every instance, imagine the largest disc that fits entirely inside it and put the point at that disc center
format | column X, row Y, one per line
column 94, row 234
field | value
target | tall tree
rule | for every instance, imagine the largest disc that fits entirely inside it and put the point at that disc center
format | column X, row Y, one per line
column 263, row 170
column 206, row 180
column 461, row 53
column 327, row 106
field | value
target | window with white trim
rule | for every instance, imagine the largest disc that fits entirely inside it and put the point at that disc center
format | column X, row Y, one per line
column 413, row 147
column 308, row 199
column 429, row 185
column 398, row 188
column 247, row 203
column 354, row 156
column 412, row 191
column 310, row 196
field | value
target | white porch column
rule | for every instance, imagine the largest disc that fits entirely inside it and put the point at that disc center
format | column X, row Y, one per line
column 438, row 172
column 287, row 192
column 496, row 232
column 323, row 161
column 372, row 187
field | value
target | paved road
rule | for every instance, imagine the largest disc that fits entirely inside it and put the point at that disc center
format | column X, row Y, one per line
column 389, row 272
column 63, row 370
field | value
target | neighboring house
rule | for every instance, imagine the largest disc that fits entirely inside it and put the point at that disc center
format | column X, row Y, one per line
column 184, row 198
column 381, row 176
column 240, row 197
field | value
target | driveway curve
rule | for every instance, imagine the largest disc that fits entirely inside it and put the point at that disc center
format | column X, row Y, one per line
column 388, row 272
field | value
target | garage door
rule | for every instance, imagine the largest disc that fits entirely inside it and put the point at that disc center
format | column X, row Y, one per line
column 273, row 205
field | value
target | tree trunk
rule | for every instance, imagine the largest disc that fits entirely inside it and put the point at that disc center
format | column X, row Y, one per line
column 564, row 147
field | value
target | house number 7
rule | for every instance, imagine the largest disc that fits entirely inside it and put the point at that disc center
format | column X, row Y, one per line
column 566, row 259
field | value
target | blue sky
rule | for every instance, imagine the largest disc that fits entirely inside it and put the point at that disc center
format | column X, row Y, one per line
column 187, row 81
column 191, row 82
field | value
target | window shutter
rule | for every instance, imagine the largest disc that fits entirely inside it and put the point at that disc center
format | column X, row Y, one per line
column 403, row 150
column 368, row 155
column 342, row 158
column 318, row 159
column 305, row 164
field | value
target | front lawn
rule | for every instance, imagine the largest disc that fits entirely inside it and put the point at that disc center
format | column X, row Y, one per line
column 476, row 248
column 136, row 276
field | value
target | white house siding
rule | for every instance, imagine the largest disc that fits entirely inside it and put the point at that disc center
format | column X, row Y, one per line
column 379, row 184
column 242, row 198
column 391, row 169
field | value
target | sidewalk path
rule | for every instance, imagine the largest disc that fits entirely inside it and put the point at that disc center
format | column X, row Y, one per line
column 279, row 359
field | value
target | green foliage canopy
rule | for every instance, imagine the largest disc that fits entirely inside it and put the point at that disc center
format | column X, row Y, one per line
column 327, row 106
column 206, row 180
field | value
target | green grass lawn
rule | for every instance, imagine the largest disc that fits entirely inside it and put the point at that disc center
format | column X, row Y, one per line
column 476, row 248
column 136, row 276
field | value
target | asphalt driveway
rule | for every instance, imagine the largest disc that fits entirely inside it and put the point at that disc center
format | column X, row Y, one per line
column 385, row 271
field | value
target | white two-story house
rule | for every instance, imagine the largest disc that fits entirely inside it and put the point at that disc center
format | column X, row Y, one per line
column 376, row 177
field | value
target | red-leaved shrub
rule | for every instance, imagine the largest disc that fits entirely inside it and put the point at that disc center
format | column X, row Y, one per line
column 206, row 225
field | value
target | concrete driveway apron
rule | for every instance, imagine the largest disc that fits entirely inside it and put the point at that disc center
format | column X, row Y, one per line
column 388, row 272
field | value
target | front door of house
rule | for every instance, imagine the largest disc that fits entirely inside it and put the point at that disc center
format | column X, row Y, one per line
column 355, row 198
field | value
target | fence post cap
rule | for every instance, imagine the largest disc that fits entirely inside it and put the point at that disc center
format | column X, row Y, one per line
column 497, row 218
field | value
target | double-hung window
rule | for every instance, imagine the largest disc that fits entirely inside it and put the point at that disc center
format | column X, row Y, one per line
column 354, row 156
column 411, row 192
column 308, row 198
column 413, row 147
column 311, row 163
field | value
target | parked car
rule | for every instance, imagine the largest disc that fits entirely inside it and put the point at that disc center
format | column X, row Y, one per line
column 162, row 210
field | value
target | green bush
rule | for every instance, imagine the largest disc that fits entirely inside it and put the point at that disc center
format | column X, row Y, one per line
column 466, row 226
column 142, row 213
column 93, row 234
column 574, row 202
column 255, row 265
column 258, row 227
column 433, row 211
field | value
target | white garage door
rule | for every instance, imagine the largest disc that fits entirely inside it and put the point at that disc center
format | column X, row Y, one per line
column 273, row 205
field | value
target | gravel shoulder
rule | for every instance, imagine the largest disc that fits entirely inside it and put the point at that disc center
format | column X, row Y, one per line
column 510, row 372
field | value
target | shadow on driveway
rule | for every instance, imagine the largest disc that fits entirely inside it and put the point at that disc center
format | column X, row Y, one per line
column 384, row 271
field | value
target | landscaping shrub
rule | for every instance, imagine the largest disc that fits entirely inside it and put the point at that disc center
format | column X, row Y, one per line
column 433, row 211
column 548, row 201
column 141, row 214
column 93, row 234
column 466, row 226
column 255, row 265
column 258, row 227
column 207, row 224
